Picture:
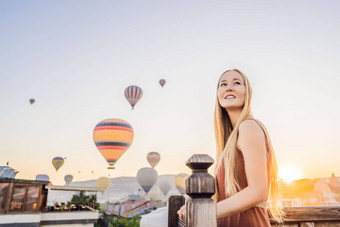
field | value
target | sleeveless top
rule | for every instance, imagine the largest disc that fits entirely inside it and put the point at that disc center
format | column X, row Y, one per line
column 256, row 216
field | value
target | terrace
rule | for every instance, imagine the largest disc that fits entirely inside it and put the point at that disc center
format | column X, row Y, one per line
column 23, row 203
column 201, row 209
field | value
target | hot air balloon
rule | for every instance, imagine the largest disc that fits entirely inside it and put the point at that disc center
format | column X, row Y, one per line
column 68, row 179
column 153, row 158
column 155, row 192
column 165, row 187
column 162, row 82
column 57, row 162
column 147, row 177
column 112, row 138
column 133, row 94
column 103, row 182
column 42, row 177
column 180, row 182
column 32, row 101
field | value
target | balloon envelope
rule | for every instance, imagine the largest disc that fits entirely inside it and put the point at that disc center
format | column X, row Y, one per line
column 165, row 187
column 68, row 179
column 180, row 182
column 155, row 192
column 153, row 158
column 147, row 177
column 112, row 138
column 103, row 182
column 162, row 82
column 42, row 177
column 32, row 101
column 57, row 162
column 133, row 94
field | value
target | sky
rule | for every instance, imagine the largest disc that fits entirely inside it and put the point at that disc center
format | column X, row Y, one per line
column 75, row 58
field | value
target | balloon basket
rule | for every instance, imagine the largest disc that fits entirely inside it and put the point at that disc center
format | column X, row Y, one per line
column 110, row 167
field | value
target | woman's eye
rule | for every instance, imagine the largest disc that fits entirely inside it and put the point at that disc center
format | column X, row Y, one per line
column 223, row 84
column 237, row 83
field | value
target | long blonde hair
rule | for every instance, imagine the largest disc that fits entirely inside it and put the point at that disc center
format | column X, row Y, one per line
column 226, row 142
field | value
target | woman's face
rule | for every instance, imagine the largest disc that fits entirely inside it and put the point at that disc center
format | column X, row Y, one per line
column 231, row 91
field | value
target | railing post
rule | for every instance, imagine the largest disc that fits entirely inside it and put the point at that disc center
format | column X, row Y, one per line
column 175, row 203
column 200, row 186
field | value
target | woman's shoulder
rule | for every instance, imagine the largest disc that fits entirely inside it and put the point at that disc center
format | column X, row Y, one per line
column 251, row 124
column 250, row 132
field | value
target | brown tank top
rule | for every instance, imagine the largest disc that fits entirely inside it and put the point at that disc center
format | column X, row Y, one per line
column 253, row 217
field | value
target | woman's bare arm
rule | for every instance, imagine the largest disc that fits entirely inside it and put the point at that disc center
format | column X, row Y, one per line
column 251, row 142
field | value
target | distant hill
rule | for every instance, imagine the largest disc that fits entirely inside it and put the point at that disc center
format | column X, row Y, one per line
column 119, row 189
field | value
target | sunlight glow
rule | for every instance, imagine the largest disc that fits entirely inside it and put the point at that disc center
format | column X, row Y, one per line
column 289, row 173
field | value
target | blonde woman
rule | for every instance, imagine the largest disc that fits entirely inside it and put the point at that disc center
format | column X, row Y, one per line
column 246, row 171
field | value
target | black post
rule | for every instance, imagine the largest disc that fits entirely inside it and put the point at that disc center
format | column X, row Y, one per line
column 175, row 203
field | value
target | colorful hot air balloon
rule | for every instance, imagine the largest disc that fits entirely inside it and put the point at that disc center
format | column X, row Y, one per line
column 180, row 182
column 162, row 82
column 68, row 179
column 57, row 162
column 42, row 177
column 103, row 182
column 165, row 187
column 112, row 138
column 32, row 101
column 147, row 177
column 133, row 94
column 153, row 158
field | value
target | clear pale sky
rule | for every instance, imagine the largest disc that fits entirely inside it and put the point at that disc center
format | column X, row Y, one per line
column 77, row 57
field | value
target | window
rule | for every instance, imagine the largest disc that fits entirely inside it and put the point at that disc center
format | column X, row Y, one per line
column 3, row 196
column 18, row 198
column 32, row 198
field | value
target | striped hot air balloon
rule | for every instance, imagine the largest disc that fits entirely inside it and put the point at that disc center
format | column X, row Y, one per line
column 57, row 162
column 112, row 138
column 133, row 94
column 153, row 158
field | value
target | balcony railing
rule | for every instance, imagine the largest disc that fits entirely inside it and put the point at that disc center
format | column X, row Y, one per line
column 201, row 209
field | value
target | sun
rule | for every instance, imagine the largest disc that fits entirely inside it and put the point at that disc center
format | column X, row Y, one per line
column 289, row 173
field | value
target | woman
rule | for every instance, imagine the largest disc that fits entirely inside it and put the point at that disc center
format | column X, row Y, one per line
column 246, row 170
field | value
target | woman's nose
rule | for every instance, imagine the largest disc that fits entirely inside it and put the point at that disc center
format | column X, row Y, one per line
column 229, row 88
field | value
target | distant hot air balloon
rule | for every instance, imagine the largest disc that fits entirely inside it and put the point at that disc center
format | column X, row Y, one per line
column 112, row 138
column 180, row 182
column 147, row 177
column 57, row 162
column 68, row 179
column 162, row 82
column 103, row 182
column 155, row 192
column 32, row 101
column 133, row 94
column 153, row 158
column 42, row 177
column 165, row 187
